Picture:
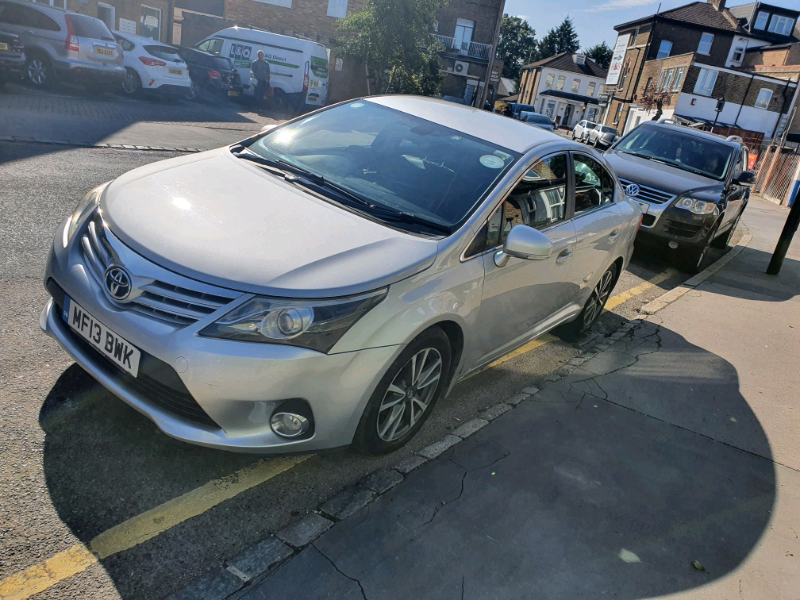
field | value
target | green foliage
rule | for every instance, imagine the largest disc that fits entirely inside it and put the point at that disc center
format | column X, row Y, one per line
column 601, row 54
column 516, row 46
column 423, row 80
column 561, row 39
column 390, row 35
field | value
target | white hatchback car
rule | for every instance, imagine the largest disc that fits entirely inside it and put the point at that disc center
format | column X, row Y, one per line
column 152, row 67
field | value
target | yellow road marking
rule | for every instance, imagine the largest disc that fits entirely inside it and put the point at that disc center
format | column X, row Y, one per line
column 141, row 528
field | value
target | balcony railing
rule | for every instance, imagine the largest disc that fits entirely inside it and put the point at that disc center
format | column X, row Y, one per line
column 471, row 49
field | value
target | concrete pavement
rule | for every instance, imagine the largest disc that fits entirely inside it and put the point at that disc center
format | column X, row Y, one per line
column 666, row 465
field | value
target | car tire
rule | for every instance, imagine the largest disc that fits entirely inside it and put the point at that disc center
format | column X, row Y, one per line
column 594, row 305
column 691, row 260
column 38, row 71
column 132, row 84
column 193, row 90
column 390, row 419
column 723, row 241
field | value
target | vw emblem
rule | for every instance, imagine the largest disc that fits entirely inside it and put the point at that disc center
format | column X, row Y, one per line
column 118, row 283
column 632, row 190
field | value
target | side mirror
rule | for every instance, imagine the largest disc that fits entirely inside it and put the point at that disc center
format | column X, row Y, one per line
column 526, row 243
column 746, row 179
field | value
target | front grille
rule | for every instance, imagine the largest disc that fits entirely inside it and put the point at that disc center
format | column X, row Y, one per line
column 682, row 229
column 157, row 382
column 158, row 299
column 649, row 194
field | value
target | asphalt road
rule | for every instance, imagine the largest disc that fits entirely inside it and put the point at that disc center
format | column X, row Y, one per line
column 77, row 461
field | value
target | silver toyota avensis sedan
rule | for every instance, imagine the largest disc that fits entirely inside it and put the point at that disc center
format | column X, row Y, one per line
column 326, row 282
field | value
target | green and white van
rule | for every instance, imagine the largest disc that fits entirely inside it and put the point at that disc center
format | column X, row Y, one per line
column 298, row 68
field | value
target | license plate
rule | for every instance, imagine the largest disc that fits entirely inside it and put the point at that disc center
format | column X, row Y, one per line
column 175, row 72
column 104, row 51
column 3, row 46
column 112, row 345
column 233, row 93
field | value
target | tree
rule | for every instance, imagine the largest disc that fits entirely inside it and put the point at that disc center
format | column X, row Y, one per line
column 388, row 35
column 561, row 39
column 425, row 80
column 653, row 99
column 601, row 54
column 516, row 45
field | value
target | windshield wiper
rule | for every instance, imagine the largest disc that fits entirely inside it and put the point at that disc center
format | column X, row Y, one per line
column 391, row 214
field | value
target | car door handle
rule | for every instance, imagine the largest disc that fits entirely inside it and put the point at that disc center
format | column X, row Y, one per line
column 561, row 258
column 614, row 235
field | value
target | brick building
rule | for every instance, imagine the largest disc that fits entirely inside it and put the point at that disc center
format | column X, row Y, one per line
column 565, row 87
column 694, row 53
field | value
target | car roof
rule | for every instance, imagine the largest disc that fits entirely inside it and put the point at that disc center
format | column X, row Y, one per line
column 139, row 39
column 501, row 131
column 713, row 137
column 46, row 8
column 259, row 36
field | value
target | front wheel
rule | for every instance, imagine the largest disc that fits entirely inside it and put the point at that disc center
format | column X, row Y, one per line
column 691, row 260
column 406, row 395
column 132, row 83
column 723, row 241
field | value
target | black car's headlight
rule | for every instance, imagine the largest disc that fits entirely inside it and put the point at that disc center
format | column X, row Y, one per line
column 698, row 207
column 313, row 324
column 87, row 204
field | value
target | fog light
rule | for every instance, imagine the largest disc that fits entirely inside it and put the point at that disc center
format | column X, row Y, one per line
column 289, row 424
column 673, row 245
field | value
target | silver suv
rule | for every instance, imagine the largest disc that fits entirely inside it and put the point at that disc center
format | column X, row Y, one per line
column 62, row 45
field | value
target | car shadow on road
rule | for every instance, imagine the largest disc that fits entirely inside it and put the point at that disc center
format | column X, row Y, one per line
column 610, row 480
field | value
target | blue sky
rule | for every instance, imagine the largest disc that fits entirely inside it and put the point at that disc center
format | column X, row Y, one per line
column 594, row 19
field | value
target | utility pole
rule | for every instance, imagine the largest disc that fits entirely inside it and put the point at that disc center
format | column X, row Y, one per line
column 789, row 229
column 490, row 66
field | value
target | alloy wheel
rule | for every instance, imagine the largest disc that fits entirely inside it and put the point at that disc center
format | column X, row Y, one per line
column 130, row 84
column 598, row 299
column 409, row 394
column 37, row 71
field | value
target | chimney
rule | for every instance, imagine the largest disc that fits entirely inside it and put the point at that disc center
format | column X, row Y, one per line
column 718, row 4
column 579, row 59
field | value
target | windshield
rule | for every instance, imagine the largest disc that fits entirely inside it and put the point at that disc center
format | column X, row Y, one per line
column 536, row 118
column 392, row 159
column 684, row 151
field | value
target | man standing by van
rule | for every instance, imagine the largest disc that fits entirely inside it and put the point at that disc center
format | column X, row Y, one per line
column 260, row 69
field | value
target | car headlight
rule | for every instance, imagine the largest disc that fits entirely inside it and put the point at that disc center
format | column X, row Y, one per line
column 84, row 208
column 313, row 324
column 698, row 207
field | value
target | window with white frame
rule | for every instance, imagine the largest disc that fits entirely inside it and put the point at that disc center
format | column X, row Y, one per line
column 662, row 77
column 590, row 90
column 624, row 74
column 704, row 47
column 738, row 54
column 150, row 23
column 705, row 82
column 106, row 13
column 464, row 31
column 664, row 48
column 576, row 84
column 781, row 25
column 618, row 113
column 338, row 9
column 667, row 81
column 633, row 37
column 283, row 3
column 561, row 80
column 677, row 83
column 551, row 107
column 549, row 82
column 764, row 96
column 761, row 20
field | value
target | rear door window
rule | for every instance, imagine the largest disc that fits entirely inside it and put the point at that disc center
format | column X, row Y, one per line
column 163, row 52
column 89, row 27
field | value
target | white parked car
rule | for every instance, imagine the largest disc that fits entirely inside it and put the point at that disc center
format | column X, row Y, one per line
column 152, row 67
column 581, row 130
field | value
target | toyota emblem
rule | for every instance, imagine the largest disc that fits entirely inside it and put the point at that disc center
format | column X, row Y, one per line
column 632, row 190
column 118, row 283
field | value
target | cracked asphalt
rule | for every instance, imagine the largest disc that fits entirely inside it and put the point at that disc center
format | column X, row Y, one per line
column 77, row 461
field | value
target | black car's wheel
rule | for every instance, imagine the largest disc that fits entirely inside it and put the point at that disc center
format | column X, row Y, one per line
column 406, row 395
column 594, row 143
column 193, row 90
column 724, row 240
column 594, row 305
column 132, row 84
column 38, row 71
column 690, row 260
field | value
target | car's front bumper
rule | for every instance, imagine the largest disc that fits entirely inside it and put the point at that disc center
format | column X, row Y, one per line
column 12, row 65
column 663, row 225
column 237, row 385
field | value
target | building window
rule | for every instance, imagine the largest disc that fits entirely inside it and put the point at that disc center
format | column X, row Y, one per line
column 551, row 107
column 576, row 84
column 283, row 3
column 624, row 74
column 761, row 20
column 150, row 22
column 561, row 80
column 677, row 83
column 618, row 114
column 705, row 82
column 664, row 49
column 781, row 25
column 549, row 82
column 106, row 13
column 662, row 77
column 56, row 3
column 590, row 91
column 667, row 83
column 633, row 38
column 738, row 54
column 764, row 96
column 648, row 84
column 338, row 9
column 704, row 47
column 464, row 31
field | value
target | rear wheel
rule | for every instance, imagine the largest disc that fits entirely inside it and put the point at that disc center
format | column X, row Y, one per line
column 38, row 71
column 406, row 395
column 192, row 93
column 594, row 305
column 132, row 84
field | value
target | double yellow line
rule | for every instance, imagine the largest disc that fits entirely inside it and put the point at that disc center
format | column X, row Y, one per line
column 153, row 522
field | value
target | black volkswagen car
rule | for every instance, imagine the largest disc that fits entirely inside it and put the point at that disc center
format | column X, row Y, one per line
column 692, row 186
column 213, row 73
